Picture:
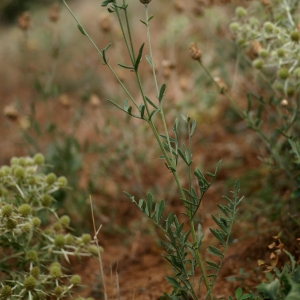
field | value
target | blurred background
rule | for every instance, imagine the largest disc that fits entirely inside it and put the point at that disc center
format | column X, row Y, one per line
column 53, row 97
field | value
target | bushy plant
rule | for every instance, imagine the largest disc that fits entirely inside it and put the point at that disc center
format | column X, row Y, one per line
column 34, row 239
column 183, row 239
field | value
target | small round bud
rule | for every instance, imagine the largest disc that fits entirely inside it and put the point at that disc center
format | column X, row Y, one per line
column 280, row 52
column 14, row 161
column 258, row 64
column 55, row 264
column 57, row 226
column 22, row 161
column 297, row 72
column 6, row 292
column 19, row 172
column 86, row 238
column 11, row 224
column 62, row 181
column 55, row 271
column 240, row 12
column 24, row 210
column 195, row 52
column 3, row 192
column 6, row 170
column 94, row 250
column 290, row 91
column 46, row 200
column 283, row 73
column 50, row 178
column 295, row 36
column 268, row 27
column 36, row 222
column 35, row 272
column 76, row 279
column 69, row 239
column 31, row 256
column 263, row 53
column 6, row 211
column 65, row 220
column 58, row 291
column 30, row 170
column 234, row 26
column 26, row 228
column 254, row 21
column 59, row 241
column 29, row 283
column 39, row 159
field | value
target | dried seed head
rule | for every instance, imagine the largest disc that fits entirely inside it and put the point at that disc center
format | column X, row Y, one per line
column 179, row 6
column 24, row 123
column 255, row 48
column 222, row 85
column 10, row 112
column 195, row 52
column 64, row 100
column 24, row 21
column 184, row 84
column 54, row 13
column 198, row 10
column 94, row 101
column 145, row 1
column 105, row 22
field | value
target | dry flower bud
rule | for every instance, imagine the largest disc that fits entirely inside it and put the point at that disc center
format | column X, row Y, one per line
column 64, row 100
column 222, row 85
column 184, row 84
column 54, row 13
column 94, row 100
column 284, row 103
column 10, row 112
column 24, row 21
column 195, row 52
column 105, row 22
column 24, row 123
column 179, row 6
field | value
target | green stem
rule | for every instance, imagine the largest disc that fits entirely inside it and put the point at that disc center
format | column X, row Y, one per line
column 161, row 111
column 129, row 31
column 131, row 54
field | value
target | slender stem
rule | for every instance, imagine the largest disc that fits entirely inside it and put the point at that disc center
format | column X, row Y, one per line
column 125, row 37
column 161, row 111
column 129, row 31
